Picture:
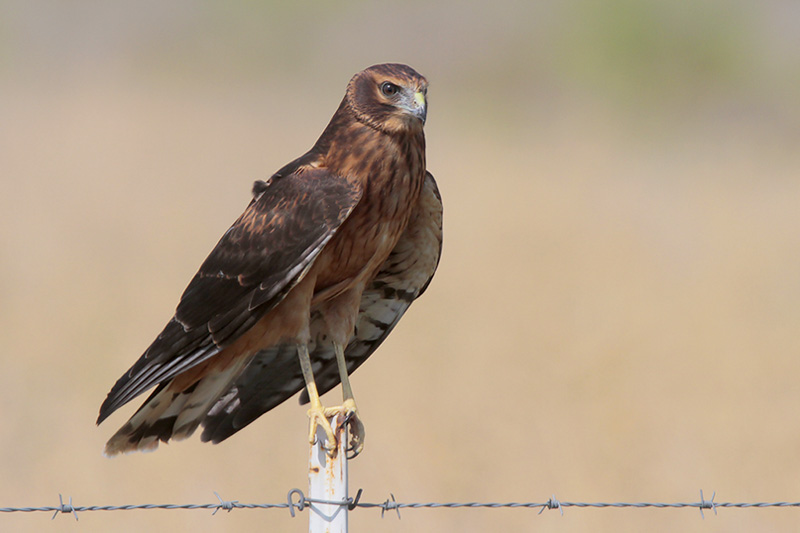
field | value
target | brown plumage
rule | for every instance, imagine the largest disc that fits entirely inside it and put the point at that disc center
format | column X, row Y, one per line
column 305, row 285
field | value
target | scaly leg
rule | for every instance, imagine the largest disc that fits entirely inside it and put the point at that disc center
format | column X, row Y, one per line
column 316, row 413
column 356, row 427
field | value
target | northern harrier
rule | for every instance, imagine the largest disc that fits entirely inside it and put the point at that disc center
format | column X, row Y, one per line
column 305, row 285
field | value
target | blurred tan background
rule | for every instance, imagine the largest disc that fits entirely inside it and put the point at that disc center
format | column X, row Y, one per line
column 616, row 313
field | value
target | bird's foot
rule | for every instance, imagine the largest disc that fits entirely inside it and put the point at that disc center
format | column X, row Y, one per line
column 318, row 417
column 354, row 426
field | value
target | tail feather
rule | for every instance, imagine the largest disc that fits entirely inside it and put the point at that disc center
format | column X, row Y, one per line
column 173, row 411
column 272, row 376
column 204, row 397
column 153, row 422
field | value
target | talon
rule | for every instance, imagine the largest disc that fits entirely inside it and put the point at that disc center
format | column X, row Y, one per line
column 355, row 429
column 356, row 444
column 318, row 417
column 348, row 417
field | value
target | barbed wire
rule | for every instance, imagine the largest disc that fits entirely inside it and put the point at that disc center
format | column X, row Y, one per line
column 297, row 501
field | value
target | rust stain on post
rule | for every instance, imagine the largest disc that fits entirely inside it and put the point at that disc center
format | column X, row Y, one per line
column 327, row 481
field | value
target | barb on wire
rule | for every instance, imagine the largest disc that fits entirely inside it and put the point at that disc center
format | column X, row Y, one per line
column 707, row 504
column 296, row 500
column 65, row 508
column 223, row 504
column 389, row 505
column 552, row 503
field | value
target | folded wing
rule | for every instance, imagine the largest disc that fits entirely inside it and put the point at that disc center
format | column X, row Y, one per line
column 274, row 375
column 260, row 258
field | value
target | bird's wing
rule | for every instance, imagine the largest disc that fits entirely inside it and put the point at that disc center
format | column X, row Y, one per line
column 260, row 258
column 274, row 374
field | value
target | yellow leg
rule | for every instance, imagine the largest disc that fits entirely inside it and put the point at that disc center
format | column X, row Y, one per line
column 316, row 413
column 355, row 426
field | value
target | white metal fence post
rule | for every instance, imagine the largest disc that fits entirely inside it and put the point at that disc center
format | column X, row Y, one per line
column 327, row 480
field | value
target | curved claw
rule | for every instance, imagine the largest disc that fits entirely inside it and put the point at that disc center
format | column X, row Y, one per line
column 320, row 417
column 355, row 429
column 317, row 418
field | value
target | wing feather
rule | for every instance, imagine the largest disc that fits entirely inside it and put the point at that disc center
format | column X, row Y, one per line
column 274, row 375
column 265, row 253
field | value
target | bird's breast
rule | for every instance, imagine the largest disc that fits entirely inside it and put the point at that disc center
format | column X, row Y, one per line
column 372, row 230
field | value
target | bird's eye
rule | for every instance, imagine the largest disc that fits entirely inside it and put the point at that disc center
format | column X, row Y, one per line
column 389, row 88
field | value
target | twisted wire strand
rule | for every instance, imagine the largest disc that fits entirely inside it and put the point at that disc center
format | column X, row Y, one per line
column 297, row 501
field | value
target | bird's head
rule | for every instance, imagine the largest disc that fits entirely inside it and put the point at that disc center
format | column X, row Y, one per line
column 390, row 97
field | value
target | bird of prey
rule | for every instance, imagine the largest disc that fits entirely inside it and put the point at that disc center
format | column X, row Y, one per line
column 305, row 285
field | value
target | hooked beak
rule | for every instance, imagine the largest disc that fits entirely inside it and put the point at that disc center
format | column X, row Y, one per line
column 416, row 105
column 421, row 106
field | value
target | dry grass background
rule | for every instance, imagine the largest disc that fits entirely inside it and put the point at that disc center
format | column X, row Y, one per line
column 616, row 313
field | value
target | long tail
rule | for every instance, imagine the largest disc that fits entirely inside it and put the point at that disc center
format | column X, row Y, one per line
column 174, row 409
